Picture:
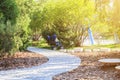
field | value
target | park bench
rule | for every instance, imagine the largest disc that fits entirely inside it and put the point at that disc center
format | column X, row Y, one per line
column 117, row 67
column 110, row 60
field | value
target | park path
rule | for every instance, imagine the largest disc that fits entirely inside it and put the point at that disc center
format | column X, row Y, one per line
column 59, row 62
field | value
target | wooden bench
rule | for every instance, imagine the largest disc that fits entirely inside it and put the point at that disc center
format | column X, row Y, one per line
column 110, row 60
column 117, row 67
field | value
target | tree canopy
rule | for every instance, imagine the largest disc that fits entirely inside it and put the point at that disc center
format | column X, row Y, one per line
column 61, row 17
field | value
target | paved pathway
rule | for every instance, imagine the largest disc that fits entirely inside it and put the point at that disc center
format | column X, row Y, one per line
column 59, row 62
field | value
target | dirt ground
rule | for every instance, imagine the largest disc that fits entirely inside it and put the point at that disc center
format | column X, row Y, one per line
column 91, row 69
column 21, row 60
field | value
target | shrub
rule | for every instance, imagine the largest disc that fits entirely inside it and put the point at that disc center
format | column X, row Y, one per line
column 9, row 9
column 9, row 41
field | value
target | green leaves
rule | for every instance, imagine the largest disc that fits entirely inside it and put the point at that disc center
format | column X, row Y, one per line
column 9, row 10
column 14, row 37
column 7, row 42
column 61, row 16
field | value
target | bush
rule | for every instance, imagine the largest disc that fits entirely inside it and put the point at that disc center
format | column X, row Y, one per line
column 9, row 42
column 26, row 40
column 12, row 39
column 69, row 35
column 9, row 9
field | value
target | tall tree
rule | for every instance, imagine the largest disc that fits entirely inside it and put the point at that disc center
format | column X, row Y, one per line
column 115, row 18
column 102, row 18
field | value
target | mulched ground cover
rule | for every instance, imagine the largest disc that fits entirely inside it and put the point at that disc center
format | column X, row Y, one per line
column 91, row 69
column 22, row 60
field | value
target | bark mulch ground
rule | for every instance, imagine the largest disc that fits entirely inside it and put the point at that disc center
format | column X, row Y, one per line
column 91, row 69
column 22, row 60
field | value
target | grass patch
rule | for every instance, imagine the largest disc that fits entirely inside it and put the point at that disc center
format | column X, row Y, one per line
column 41, row 44
column 112, row 46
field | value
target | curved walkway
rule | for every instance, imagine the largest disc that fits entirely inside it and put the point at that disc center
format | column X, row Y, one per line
column 59, row 62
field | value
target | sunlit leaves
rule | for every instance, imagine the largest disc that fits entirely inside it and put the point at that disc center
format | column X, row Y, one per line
column 61, row 16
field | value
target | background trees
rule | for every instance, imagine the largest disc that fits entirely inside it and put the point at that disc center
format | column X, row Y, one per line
column 21, row 20
column 66, row 19
column 115, row 18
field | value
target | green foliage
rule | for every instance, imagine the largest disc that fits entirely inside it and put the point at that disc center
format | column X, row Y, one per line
column 41, row 43
column 9, row 10
column 108, row 17
column 115, row 18
column 23, row 20
column 9, row 42
column 61, row 17
column 8, row 15
column 111, row 46
column 14, row 37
